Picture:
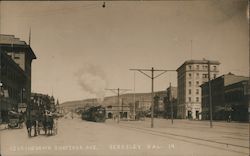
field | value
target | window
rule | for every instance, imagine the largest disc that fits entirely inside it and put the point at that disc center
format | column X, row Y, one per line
column 190, row 75
column 214, row 68
column 197, row 91
column 190, row 67
column 214, row 76
column 189, row 99
column 197, row 99
column 197, row 83
column 189, row 91
column 197, row 75
column 204, row 75
column 189, row 83
column 16, row 56
column 197, row 67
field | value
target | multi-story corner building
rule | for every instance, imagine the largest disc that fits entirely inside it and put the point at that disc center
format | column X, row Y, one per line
column 15, row 76
column 191, row 74
column 229, row 94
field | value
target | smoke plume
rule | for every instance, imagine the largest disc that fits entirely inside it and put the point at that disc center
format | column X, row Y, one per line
column 92, row 79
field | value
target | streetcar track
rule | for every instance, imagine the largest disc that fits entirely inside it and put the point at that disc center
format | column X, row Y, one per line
column 235, row 138
column 189, row 137
column 229, row 133
column 184, row 139
column 218, row 124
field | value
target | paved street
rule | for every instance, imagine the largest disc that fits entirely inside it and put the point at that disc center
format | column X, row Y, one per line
column 78, row 137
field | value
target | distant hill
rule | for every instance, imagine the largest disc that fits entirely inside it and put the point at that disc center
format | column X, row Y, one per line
column 70, row 103
column 111, row 100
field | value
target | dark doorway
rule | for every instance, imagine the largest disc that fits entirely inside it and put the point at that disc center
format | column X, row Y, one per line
column 197, row 114
column 110, row 115
column 189, row 114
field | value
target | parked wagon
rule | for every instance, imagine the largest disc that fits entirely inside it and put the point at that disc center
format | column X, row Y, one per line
column 15, row 120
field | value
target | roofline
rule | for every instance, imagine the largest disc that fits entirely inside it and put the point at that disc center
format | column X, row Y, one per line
column 21, row 46
column 226, row 75
column 199, row 62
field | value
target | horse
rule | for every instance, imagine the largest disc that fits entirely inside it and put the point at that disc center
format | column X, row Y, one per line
column 48, row 125
column 30, row 124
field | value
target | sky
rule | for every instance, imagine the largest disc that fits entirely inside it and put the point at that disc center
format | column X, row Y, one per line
column 83, row 49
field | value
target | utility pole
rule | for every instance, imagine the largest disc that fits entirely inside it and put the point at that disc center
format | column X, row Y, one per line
column 122, row 107
column 210, row 95
column 134, row 113
column 117, row 91
column 152, row 77
column 171, row 103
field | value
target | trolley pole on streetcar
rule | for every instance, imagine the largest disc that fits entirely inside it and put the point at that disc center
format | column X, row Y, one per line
column 117, row 91
column 152, row 77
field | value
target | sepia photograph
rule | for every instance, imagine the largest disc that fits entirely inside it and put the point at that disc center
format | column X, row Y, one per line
column 124, row 78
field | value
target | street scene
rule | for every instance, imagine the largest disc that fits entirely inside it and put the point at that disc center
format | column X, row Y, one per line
column 127, row 78
column 131, row 138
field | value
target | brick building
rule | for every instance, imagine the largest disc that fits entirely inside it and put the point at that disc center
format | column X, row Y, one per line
column 229, row 97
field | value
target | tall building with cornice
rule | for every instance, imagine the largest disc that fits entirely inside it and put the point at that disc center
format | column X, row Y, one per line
column 15, row 72
column 190, row 75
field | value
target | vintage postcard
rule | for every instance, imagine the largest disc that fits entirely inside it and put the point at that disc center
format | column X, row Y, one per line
column 124, row 78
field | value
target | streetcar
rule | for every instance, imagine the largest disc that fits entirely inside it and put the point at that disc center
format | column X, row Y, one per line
column 94, row 113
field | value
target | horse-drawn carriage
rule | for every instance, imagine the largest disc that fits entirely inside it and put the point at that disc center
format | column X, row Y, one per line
column 41, row 122
column 48, row 124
